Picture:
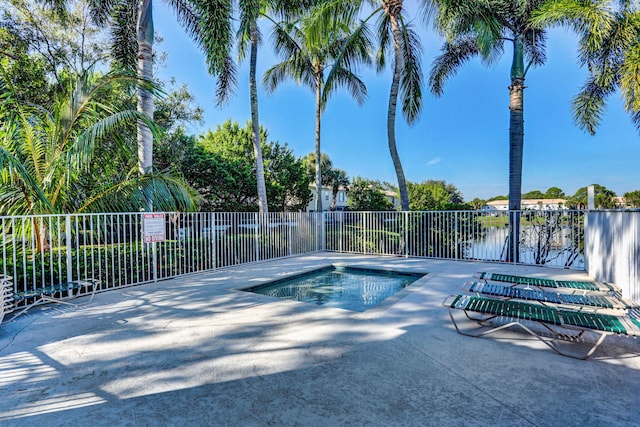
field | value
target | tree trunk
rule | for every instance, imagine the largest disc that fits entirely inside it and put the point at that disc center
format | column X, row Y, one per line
column 391, row 112
column 145, row 99
column 516, row 146
column 319, row 80
column 255, row 122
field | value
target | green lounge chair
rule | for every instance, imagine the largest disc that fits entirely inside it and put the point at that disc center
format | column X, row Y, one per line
column 564, row 325
column 563, row 285
column 581, row 302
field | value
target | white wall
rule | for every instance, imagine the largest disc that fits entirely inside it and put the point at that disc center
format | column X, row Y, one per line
column 612, row 249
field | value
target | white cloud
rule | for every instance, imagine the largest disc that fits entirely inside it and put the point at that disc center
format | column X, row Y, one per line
column 434, row 161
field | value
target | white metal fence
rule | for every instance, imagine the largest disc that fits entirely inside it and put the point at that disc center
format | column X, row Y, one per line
column 40, row 251
column 552, row 238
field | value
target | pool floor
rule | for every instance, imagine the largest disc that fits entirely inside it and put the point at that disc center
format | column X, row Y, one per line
column 349, row 288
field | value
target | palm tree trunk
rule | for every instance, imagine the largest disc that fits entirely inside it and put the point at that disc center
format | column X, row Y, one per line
column 318, row 152
column 391, row 112
column 255, row 122
column 145, row 99
column 516, row 146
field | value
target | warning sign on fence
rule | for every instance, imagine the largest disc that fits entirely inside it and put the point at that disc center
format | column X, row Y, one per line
column 154, row 227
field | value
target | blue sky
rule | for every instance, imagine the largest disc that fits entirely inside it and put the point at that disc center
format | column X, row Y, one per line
column 461, row 138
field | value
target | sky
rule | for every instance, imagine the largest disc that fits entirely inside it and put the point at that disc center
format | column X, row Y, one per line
column 461, row 137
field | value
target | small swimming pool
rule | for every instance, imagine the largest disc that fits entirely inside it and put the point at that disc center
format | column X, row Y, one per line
column 350, row 288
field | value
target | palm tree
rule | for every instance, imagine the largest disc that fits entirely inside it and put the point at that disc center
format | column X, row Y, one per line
column 306, row 62
column 211, row 24
column 395, row 34
column 337, row 178
column 50, row 155
column 481, row 28
column 132, row 37
column 610, row 50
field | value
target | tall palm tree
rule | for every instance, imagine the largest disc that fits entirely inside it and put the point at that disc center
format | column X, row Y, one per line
column 609, row 48
column 306, row 62
column 211, row 24
column 482, row 28
column 395, row 35
column 50, row 155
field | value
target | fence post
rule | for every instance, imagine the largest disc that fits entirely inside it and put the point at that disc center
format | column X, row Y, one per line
column 68, row 244
column 257, row 237
column 406, row 234
column 323, row 232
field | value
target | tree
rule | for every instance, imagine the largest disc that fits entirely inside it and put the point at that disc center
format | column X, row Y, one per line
column 632, row 198
column 554, row 193
column 604, row 198
column 367, row 195
column 610, row 50
column 306, row 62
column 220, row 169
column 434, row 195
column 477, row 203
column 212, row 25
column 49, row 155
column 481, row 28
column 396, row 36
column 533, row 194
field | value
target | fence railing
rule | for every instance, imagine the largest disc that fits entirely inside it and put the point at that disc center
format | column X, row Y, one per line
column 39, row 251
column 553, row 238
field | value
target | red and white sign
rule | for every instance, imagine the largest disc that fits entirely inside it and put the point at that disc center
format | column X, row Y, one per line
column 154, row 227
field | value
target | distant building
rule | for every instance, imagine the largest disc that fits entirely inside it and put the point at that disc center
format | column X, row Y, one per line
column 621, row 203
column 341, row 198
column 529, row 204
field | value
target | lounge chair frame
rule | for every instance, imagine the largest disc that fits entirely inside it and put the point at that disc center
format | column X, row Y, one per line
column 74, row 289
column 490, row 323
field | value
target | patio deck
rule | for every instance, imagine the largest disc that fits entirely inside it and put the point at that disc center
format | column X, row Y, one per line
column 195, row 351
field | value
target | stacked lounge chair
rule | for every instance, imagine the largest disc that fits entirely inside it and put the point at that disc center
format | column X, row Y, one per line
column 522, row 302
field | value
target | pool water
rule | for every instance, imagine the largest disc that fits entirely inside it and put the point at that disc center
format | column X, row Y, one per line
column 350, row 288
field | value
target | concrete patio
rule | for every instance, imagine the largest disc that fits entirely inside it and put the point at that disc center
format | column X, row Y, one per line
column 195, row 351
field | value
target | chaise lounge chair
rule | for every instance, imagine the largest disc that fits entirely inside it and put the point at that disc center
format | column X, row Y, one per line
column 581, row 302
column 493, row 315
column 561, row 285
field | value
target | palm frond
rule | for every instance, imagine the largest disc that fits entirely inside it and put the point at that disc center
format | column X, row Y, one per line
column 214, row 35
column 124, row 39
column 630, row 78
column 167, row 193
column 384, row 41
column 411, row 74
column 446, row 65
column 589, row 105
column 347, row 79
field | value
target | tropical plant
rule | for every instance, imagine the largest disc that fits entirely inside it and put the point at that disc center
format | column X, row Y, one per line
column 50, row 160
column 367, row 195
column 306, row 61
column 337, row 179
column 609, row 48
column 632, row 198
column 481, row 28
column 396, row 37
